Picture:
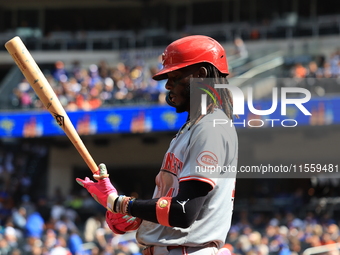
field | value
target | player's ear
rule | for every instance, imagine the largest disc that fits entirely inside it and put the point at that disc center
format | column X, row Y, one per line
column 202, row 72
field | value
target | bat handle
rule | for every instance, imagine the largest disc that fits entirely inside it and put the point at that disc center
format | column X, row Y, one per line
column 89, row 161
column 79, row 145
column 102, row 173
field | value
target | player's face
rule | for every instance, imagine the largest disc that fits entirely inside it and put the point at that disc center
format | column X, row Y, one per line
column 178, row 85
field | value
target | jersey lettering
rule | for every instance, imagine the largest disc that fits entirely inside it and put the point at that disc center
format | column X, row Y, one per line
column 172, row 164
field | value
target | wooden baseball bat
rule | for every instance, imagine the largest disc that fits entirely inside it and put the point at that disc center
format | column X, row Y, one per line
column 44, row 91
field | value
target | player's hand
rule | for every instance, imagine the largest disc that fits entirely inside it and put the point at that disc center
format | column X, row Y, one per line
column 121, row 223
column 102, row 190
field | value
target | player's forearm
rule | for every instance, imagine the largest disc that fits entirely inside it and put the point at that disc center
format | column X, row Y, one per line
column 183, row 209
column 178, row 216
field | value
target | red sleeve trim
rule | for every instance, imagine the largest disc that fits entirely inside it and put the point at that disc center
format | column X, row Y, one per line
column 162, row 210
column 197, row 178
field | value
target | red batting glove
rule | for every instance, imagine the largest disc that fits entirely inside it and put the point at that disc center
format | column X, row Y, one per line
column 121, row 223
column 102, row 191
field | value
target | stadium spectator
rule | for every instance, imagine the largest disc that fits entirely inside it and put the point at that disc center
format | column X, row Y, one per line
column 75, row 243
column 57, row 210
column 23, row 95
column 327, row 70
column 240, row 48
column 4, row 246
column 12, row 237
column 19, row 218
column 60, row 73
column 313, row 70
column 35, row 225
column 66, row 221
column 92, row 224
column 299, row 71
column 106, row 95
column 49, row 239
column 60, row 247
column 334, row 62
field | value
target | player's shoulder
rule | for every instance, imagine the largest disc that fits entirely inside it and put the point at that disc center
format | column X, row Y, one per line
column 217, row 121
column 208, row 129
column 217, row 114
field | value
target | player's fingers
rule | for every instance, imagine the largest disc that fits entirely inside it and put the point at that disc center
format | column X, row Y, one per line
column 80, row 181
column 102, row 172
column 84, row 182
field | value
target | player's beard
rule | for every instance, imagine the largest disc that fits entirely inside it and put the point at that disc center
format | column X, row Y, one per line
column 185, row 106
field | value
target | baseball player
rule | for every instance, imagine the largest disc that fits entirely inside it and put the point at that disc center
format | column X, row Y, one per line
column 191, row 209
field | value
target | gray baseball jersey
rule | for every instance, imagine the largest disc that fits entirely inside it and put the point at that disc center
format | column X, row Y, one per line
column 204, row 152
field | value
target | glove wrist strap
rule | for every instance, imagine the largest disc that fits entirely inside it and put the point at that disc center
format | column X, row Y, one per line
column 111, row 201
column 122, row 204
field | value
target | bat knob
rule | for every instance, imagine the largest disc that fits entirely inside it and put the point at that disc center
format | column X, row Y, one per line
column 102, row 172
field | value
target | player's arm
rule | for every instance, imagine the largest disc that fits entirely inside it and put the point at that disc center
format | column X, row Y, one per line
column 180, row 211
column 106, row 194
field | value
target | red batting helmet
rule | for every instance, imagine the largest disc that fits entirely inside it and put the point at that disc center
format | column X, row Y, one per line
column 191, row 50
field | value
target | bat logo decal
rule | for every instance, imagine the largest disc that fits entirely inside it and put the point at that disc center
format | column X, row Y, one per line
column 59, row 119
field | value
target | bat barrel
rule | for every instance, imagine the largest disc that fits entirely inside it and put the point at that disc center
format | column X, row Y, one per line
column 46, row 94
column 31, row 70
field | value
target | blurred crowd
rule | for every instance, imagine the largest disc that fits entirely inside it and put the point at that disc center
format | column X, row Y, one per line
column 31, row 223
column 96, row 85
column 282, row 234
column 44, row 228
column 323, row 67
column 81, row 87
column 320, row 76
column 99, row 85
